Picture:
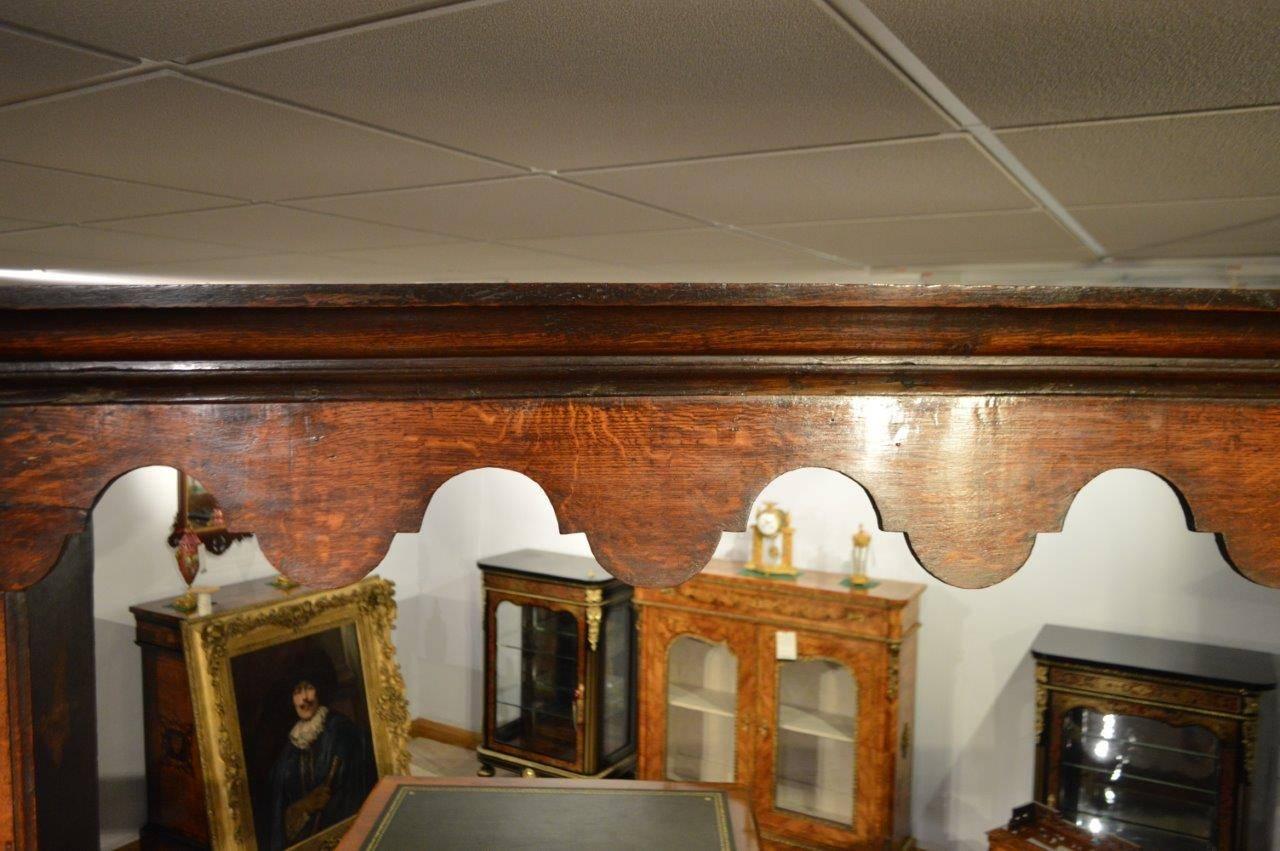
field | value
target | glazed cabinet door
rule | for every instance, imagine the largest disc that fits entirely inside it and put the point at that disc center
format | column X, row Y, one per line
column 536, row 688
column 1160, row 777
column 824, row 759
column 698, row 682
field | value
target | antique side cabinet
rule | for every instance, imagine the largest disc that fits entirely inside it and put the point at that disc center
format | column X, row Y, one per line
column 799, row 690
column 559, row 676
column 177, row 816
column 1165, row 743
column 1035, row 827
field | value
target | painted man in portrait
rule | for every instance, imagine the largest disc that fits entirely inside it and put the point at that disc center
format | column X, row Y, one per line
column 323, row 772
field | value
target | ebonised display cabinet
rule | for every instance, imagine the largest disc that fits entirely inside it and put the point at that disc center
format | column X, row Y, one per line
column 560, row 667
column 799, row 690
column 1168, row 744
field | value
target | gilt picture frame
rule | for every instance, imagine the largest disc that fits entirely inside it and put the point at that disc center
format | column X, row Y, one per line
column 299, row 709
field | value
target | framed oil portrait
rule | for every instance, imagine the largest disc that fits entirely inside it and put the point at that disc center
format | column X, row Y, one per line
column 300, row 709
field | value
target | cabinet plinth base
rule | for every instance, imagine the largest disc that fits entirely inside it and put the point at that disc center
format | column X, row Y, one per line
column 490, row 760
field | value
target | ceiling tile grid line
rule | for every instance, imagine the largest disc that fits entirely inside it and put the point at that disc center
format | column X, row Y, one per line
column 170, row 129
column 171, row 70
column 89, row 86
column 31, row 66
column 858, row 16
column 712, row 159
column 348, row 120
column 731, row 228
column 1193, row 179
column 61, row 41
column 1138, row 119
column 269, row 227
column 1203, row 235
column 416, row 12
column 515, row 82
column 63, row 197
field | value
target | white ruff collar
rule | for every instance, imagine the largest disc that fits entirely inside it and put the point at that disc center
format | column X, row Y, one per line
column 304, row 733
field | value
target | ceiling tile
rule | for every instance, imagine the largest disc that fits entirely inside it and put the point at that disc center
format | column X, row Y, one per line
column 1262, row 237
column 475, row 261
column 1042, row 61
column 560, row 84
column 272, row 228
column 169, row 130
column 86, row 243
column 30, row 65
column 273, row 268
column 707, row 245
column 1219, row 155
column 1021, row 237
column 1122, row 229
column 157, row 29
column 520, row 208
column 865, row 181
column 805, row 271
column 62, row 197
column 21, row 259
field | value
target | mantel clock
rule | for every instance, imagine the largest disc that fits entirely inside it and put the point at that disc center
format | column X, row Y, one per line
column 771, row 542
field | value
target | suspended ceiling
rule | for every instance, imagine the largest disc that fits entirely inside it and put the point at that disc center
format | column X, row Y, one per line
column 373, row 140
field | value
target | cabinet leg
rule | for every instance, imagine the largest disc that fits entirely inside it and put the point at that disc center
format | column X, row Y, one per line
column 485, row 770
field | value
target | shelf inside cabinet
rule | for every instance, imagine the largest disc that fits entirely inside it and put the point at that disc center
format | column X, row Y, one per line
column 697, row 768
column 810, row 722
column 802, row 798
column 701, row 699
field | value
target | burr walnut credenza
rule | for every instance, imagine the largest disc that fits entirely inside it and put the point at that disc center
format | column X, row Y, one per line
column 800, row 690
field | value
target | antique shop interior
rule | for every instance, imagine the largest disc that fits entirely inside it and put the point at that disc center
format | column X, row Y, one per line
column 1080, row 169
column 1123, row 562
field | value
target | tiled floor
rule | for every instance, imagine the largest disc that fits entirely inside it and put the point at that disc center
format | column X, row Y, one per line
column 429, row 758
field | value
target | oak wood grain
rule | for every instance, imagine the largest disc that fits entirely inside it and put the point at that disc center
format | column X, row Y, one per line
column 652, row 482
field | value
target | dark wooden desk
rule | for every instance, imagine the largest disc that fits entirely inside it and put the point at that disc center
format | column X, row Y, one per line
column 442, row 813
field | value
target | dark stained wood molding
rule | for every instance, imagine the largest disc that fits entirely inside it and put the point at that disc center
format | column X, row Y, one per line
column 28, row 383
column 324, row 417
column 37, row 295
column 284, row 323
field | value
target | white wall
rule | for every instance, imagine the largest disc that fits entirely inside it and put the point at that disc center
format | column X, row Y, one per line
column 1124, row 561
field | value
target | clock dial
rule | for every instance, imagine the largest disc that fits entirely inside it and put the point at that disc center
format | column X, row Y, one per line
column 767, row 523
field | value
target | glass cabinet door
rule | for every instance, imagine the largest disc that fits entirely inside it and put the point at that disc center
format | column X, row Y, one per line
column 702, row 701
column 820, row 713
column 1140, row 779
column 537, row 699
column 816, row 733
column 617, row 677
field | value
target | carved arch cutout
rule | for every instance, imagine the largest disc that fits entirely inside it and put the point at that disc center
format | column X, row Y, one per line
column 841, row 503
column 653, row 482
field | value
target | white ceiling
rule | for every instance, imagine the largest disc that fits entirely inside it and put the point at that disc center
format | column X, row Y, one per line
column 783, row 140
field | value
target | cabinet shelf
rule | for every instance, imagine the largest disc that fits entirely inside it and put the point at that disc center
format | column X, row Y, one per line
column 810, row 722
column 701, row 699
column 799, row 797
